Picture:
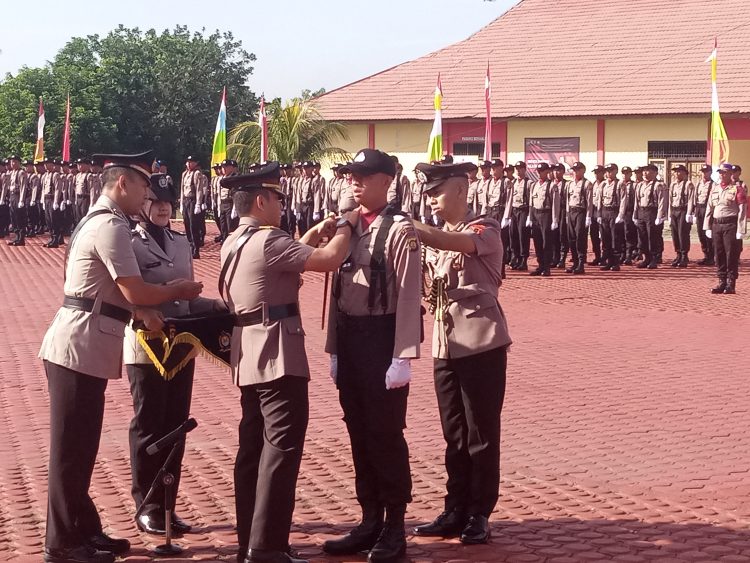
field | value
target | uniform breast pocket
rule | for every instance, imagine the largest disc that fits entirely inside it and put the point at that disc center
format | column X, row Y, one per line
column 730, row 196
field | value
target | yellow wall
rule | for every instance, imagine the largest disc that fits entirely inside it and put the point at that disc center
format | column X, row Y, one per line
column 626, row 140
column 739, row 153
column 519, row 130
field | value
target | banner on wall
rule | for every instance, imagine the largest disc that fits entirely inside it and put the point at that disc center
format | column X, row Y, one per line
column 551, row 150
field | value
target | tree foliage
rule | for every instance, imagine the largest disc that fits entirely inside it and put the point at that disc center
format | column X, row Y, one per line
column 296, row 131
column 131, row 90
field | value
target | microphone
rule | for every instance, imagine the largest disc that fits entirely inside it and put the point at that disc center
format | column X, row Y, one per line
column 172, row 437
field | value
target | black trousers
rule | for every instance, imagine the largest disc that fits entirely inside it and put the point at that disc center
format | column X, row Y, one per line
column 306, row 219
column 192, row 226
column 76, row 414
column 159, row 406
column 35, row 221
column 81, row 207
column 560, row 238
column 200, row 218
column 470, row 393
column 272, row 436
column 375, row 417
column 631, row 234
column 18, row 217
column 648, row 232
column 727, row 248
column 520, row 234
column 541, row 231
column 680, row 230
column 577, row 236
column 58, row 221
column 4, row 219
column 706, row 244
column 612, row 236
column 505, row 239
column 226, row 223
column 596, row 240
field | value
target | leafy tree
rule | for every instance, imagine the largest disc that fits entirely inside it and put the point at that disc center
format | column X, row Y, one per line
column 296, row 131
column 309, row 94
column 131, row 90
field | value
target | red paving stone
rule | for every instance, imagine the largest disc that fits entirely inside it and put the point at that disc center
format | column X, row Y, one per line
column 624, row 429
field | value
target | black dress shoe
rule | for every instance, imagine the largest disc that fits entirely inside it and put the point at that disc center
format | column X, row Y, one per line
column 179, row 526
column 446, row 525
column 151, row 524
column 103, row 542
column 80, row 554
column 268, row 556
column 476, row 531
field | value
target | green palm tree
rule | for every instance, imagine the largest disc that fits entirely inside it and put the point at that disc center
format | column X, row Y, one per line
column 296, row 131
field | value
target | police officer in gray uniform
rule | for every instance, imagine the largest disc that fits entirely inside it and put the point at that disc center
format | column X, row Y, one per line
column 82, row 350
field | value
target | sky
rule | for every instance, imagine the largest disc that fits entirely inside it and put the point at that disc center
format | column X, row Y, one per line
column 299, row 44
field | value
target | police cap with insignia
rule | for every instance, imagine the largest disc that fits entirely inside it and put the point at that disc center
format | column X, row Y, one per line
column 651, row 167
column 726, row 169
column 433, row 175
column 578, row 166
column 191, row 158
column 680, row 168
column 28, row 162
column 82, row 161
column 14, row 157
column 736, row 168
column 371, row 161
column 520, row 164
column 161, row 190
column 542, row 167
column 264, row 176
column 598, row 168
column 485, row 164
column 496, row 162
column 707, row 168
column 140, row 162
column 627, row 170
column 308, row 164
column 611, row 166
column 558, row 166
column 228, row 162
column 72, row 165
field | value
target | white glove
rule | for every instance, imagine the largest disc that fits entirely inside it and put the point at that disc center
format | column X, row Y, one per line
column 68, row 202
column 554, row 226
column 316, row 216
column 708, row 233
column 528, row 222
column 599, row 220
column 505, row 223
column 739, row 236
column 43, row 208
column 62, row 206
column 667, row 220
column 55, row 206
column 689, row 219
column 435, row 219
column 399, row 374
column 234, row 213
column 618, row 220
column 20, row 205
column 588, row 221
column 334, row 367
column 218, row 210
column 423, row 219
column 197, row 209
column 658, row 221
column 298, row 215
column 203, row 207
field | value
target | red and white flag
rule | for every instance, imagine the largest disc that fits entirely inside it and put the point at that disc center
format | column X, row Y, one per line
column 488, row 117
column 263, row 123
column 39, row 151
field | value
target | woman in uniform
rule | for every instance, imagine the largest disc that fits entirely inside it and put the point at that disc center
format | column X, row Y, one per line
column 160, row 405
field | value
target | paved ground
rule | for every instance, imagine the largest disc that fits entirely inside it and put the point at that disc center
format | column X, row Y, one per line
column 624, row 430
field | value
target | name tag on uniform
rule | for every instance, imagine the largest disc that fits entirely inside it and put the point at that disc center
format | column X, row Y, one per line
column 152, row 265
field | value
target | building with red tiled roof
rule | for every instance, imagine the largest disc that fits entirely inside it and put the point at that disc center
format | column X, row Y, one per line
column 595, row 80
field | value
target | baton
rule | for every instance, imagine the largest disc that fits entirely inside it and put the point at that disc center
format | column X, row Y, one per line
column 325, row 302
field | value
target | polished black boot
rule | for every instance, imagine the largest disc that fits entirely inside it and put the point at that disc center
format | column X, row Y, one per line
column 596, row 261
column 523, row 266
column 81, row 554
column 606, row 264
column 615, row 263
column 362, row 537
column 721, row 287
column 561, row 264
column 730, row 289
column 645, row 262
column 654, row 263
column 676, row 261
column 683, row 261
column 448, row 524
column 391, row 544
column 269, row 556
column 477, row 530
column 579, row 269
column 537, row 272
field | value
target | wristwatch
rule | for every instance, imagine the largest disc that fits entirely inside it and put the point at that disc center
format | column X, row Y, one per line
column 343, row 222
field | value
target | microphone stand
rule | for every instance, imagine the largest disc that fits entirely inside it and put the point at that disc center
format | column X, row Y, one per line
column 165, row 478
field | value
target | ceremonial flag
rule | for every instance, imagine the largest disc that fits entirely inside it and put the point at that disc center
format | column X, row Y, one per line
column 488, row 117
column 263, row 123
column 719, row 148
column 219, row 152
column 39, row 151
column 435, row 147
column 66, row 133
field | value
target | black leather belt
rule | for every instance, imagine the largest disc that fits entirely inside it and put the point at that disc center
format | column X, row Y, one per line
column 87, row 305
column 275, row 313
column 723, row 220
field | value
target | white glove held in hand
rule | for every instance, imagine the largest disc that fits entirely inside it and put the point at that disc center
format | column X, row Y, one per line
column 505, row 223
column 334, row 367
column 528, row 222
column 618, row 220
column 708, row 233
column 554, row 226
column 203, row 207
column 20, row 205
column 55, row 206
column 588, row 221
column 739, row 236
column 599, row 220
column 234, row 213
column 399, row 374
